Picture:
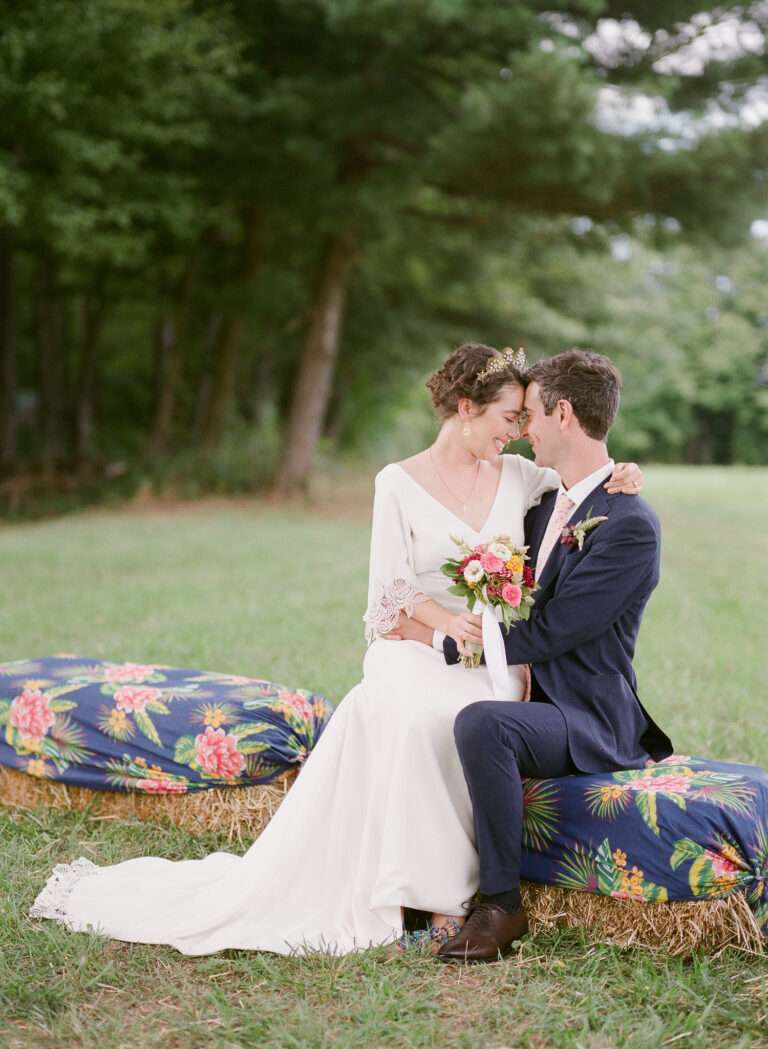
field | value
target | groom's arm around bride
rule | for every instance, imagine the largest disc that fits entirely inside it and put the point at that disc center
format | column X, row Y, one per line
column 594, row 583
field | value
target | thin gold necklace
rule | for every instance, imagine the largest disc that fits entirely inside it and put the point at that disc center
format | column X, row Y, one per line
column 461, row 501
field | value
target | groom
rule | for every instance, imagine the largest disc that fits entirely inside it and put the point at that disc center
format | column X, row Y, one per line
column 584, row 714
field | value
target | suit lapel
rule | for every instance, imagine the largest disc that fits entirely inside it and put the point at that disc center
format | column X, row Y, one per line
column 539, row 518
column 597, row 503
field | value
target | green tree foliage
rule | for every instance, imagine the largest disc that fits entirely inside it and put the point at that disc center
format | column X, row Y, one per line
column 219, row 217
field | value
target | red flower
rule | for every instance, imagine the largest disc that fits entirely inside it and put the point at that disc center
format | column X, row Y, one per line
column 528, row 576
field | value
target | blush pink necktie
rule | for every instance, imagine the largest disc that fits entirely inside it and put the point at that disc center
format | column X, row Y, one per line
column 563, row 509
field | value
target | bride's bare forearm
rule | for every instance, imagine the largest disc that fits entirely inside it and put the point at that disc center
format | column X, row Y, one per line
column 432, row 614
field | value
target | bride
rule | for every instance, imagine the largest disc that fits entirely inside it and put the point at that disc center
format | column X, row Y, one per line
column 379, row 818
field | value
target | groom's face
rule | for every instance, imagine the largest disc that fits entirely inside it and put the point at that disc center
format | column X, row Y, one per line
column 542, row 431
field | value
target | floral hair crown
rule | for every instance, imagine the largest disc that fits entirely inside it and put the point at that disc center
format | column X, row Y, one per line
column 508, row 358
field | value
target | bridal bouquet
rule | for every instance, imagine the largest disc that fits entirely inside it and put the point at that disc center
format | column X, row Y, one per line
column 493, row 574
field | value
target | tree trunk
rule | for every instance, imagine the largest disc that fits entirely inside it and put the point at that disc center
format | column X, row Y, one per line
column 228, row 343
column 7, row 354
column 90, row 326
column 168, row 342
column 51, row 368
column 313, row 384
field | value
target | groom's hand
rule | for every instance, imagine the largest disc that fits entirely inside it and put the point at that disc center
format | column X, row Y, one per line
column 410, row 630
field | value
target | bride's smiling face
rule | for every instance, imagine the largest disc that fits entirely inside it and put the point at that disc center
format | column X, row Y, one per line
column 497, row 423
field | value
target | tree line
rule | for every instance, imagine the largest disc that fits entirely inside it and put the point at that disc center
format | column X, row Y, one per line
column 221, row 219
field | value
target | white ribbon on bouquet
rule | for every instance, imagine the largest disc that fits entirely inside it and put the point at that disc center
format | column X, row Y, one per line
column 496, row 654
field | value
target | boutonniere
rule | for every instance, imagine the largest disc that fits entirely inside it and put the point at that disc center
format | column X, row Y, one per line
column 574, row 535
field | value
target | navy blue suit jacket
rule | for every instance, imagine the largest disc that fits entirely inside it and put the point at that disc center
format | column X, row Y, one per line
column 581, row 636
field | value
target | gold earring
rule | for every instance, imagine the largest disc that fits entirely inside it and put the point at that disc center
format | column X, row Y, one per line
column 467, row 431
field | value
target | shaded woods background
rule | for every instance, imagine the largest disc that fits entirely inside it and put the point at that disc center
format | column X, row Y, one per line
column 234, row 233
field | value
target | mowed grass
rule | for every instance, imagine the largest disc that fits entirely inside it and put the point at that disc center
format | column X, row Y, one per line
column 253, row 590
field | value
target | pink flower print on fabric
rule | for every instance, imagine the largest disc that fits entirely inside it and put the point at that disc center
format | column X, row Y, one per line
column 161, row 786
column 131, row 699
column 31, row 714
column 672, row 784
column 217, row 754
column 290, row 702
column 136, row 672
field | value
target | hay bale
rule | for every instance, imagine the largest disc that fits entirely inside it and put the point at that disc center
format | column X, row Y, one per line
column 679, row 928
column 240, row 813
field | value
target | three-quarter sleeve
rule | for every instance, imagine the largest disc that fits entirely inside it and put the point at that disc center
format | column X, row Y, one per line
column 392, row 585
column 537, row 481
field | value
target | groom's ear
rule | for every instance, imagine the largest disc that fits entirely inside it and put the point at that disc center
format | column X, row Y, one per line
column 565, row 414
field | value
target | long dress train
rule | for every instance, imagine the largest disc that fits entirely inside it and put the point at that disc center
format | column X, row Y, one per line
column 379, row 817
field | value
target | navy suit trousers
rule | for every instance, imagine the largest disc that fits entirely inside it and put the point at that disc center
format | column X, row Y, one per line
column 499, row 743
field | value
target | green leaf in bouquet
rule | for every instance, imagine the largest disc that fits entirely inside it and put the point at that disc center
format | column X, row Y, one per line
column 461, row 590
column 462, row 544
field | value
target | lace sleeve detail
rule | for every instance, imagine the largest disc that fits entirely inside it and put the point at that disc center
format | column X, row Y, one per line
column 392, row 582
column 384, row 611
column 52, row 900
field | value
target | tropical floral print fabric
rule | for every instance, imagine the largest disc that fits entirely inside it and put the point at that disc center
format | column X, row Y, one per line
column 683, row 828
column 151, row 728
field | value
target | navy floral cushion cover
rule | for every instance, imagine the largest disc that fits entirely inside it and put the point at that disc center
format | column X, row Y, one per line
column 151, row 728
column 684, row 828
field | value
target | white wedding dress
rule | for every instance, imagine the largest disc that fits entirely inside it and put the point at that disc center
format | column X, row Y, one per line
column 379, row 817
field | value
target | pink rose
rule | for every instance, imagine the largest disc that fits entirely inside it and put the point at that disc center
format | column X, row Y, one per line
column 128, row 698
column 491, row 564
column 161, row 786
column 217, row 754
column 511, row 594
column 129, row 672
column 31, row 714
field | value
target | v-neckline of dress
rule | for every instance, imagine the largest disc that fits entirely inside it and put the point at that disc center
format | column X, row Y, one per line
column 466, row 524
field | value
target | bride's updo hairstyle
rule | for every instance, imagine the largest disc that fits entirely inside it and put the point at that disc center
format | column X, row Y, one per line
column 461, row 376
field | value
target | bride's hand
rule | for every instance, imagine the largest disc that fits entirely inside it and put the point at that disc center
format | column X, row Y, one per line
column 626, row 478
column 465, row 627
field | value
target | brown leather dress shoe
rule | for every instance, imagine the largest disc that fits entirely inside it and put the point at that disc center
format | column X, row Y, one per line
column 486, row 936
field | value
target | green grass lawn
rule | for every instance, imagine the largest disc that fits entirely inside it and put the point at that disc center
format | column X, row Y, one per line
column 225, row 588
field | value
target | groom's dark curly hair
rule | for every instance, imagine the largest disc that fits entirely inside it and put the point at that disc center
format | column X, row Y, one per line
column 590, row 381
